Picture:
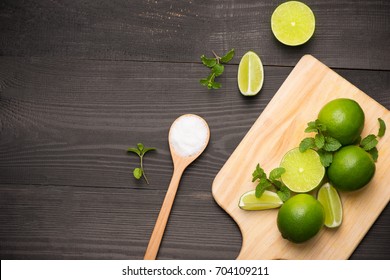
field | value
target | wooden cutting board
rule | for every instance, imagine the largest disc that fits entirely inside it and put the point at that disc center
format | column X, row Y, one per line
column 280, row 128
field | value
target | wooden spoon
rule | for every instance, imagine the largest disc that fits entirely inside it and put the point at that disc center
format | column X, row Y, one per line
column 179, row 165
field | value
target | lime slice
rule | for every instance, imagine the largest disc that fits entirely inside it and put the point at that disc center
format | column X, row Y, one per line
column 269, row 200
column 304, row 171
column 330, row 199
column 293, row 23
column 250, row 74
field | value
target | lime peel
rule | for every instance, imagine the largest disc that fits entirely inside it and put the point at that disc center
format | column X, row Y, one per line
column 250, row 74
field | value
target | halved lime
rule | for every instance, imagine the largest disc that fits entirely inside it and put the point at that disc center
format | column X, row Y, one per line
column 330, row 199
column 250, row 74
column 293, row 23
column 269, row 200
column 304, row 171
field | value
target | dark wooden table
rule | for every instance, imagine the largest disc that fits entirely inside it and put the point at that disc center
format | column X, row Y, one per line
column 80, row 81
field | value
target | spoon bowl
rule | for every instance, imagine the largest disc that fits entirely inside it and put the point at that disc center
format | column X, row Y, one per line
column 183, row 154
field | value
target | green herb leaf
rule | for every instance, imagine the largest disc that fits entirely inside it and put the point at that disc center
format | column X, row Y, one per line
column 216, row 85
column 321, row 127
column 218, row 69
column 137, row 172
column 307, row 143
column 311, row 127
column 257, row 173
column 319, row 141
column 204, row 82
column 374, row 153
column 369, row 142
column 382, row 127
column 331, row 144
column 326, row 158
column 284, row 193
column 262, row 186
column 227, row 57
column 149, row 149
column 209, row 62
column 134, row 150
column 276, row 173
column 140, row 147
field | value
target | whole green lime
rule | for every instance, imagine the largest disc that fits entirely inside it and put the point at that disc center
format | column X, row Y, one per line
column 300, row 218
column 344, row 120
column 352, row 168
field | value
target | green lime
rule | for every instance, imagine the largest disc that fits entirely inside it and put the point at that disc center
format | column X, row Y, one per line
column 330, row 200
column 300, row 218
column 250, row 74
column 343, row 119
column 351, row 169
column 304, row 171
column 293, row 23
column 269, row 200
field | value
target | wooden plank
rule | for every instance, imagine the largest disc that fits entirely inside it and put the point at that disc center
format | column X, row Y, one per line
column 348, row 35
column 309, row 86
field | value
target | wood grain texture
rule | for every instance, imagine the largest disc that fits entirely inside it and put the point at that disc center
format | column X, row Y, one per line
column 357, row 32
column 64, row 127
column 309, row 86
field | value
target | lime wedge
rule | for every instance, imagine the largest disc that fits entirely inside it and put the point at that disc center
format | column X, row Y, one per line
column 304, row 171
column 250, row 74
column 269, row 200
column 293, row 23
column 330, row 199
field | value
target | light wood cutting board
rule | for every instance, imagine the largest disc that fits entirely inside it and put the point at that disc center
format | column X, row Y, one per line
column 280, row 128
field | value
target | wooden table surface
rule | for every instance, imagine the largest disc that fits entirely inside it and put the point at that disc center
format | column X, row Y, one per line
column 80, row 81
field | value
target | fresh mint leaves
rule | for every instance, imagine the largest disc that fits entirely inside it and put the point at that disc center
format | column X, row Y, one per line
column 273, row 181
column 325, row 145
column 369, row 142
column 140, row 150
column 216, row 66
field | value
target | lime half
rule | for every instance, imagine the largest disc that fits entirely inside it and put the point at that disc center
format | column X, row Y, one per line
column 250, row 74
column 293, row 23
column 269, row 200
column 304, row 171
column 330, row 200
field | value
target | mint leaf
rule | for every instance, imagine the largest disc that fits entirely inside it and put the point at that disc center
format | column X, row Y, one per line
column 227, row 57
column 137, row 172
column 140, row 147
column 148, row 149
column 311, row 127
column 369, row 142
column 276, row 173
column 321, row 127
column 307, row 143
column 258, row 173
column 134, row 150
column 326, row 158
column 319, row 141
column 284, row 193
column 216, row 85
column 209, row 62
column 331, row 144
column 374, row 153
column 382, row 127
column 261, row 187
column 204, row 82
column 218, row 69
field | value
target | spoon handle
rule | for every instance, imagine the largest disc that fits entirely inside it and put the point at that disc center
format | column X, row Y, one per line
column 159, row 227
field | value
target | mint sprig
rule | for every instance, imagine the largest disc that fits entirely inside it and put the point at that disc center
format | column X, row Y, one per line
column 217, row 68
column 321, row 142
column 140, row 150
column 369, row 142
column 273, row 181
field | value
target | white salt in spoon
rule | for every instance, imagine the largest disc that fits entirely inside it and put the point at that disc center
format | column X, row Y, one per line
column 188, row 137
